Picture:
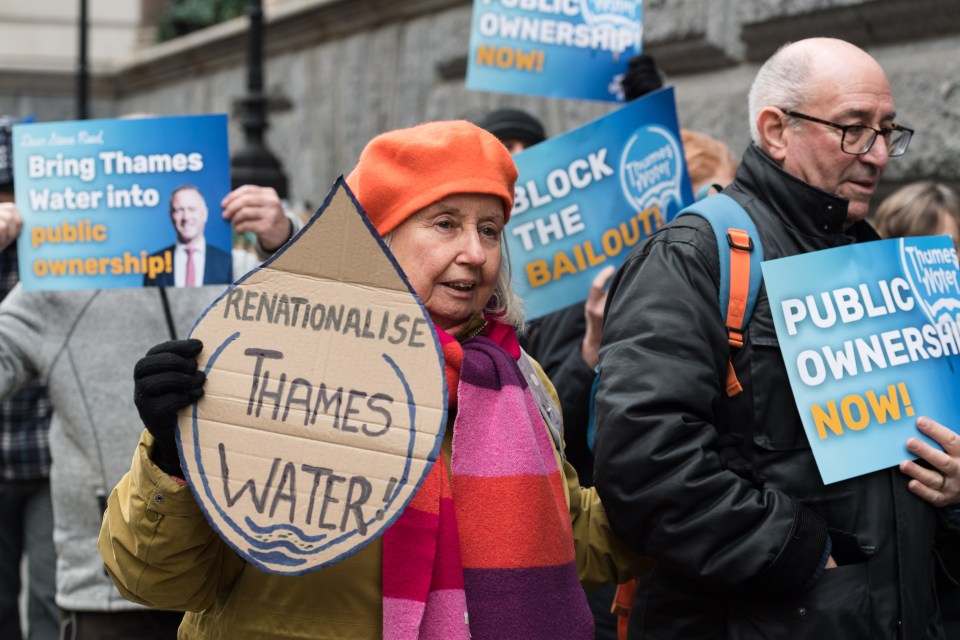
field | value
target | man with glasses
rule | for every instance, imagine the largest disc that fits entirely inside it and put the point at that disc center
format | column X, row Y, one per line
column 722, row 488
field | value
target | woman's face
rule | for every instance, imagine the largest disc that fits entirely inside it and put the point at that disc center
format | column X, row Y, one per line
column 450, row 251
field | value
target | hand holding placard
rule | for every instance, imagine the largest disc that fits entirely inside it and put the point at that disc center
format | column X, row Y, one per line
column 258, row 210
column 10, row 224
column 940, row 486
column 165, row 381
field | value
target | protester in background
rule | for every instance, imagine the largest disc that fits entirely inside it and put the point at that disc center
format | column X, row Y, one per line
column 516, row 129
column 709, row 162
column 930, row 208
column 920, row 209
column 83, row 344
column 26, row 511
column 440, row 194
column 724, row 491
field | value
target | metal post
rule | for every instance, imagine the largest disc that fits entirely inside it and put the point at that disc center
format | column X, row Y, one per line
column 253, row 163
column 82, row 71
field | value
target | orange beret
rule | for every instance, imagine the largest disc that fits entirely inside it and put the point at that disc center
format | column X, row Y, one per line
column 403, row 171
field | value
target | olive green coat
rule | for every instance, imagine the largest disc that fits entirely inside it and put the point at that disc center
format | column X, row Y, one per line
column 160, row 551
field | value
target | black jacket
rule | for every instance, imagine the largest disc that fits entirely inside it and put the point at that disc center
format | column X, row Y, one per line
column 725, row 492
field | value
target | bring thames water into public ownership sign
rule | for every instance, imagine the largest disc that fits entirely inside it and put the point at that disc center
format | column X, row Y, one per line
column 96, row 198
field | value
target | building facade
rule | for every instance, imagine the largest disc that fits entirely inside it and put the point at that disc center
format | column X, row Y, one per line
column 337, row 72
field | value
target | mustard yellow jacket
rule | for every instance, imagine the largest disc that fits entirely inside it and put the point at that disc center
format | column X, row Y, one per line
column 160, row 551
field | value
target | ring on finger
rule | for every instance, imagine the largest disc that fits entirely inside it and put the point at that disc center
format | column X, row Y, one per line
column 943, row 482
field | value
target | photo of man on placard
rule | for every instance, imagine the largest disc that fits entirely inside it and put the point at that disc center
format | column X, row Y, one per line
column 195, row 262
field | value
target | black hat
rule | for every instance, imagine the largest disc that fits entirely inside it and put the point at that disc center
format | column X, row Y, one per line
column 6, row 153
column 514, row 124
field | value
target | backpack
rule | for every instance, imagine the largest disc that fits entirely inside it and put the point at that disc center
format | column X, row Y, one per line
column 740, row 280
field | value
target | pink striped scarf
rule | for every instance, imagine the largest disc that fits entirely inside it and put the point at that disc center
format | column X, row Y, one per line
column 491, row 558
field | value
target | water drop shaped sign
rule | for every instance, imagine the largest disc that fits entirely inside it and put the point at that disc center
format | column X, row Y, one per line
column 325, row 400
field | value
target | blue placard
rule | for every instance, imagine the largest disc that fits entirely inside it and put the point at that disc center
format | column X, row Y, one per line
column 585, row 198
column 557, row 48
column 95, row 198
column 869, row 334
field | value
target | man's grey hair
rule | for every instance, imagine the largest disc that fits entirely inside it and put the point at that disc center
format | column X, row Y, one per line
column 783, row 81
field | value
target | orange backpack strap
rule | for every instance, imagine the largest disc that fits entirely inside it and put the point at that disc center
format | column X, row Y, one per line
column 740, row 255
column 622, row 606
column 740, row 248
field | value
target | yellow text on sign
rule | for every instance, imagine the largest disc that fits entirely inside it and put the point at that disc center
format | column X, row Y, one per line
column 586, row 255
column 859, row 411
column 510, row 58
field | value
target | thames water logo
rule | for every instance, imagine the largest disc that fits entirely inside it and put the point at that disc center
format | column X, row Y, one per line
column 619, row 19
column 650, row 169
column 621, row 12
column 931, row 270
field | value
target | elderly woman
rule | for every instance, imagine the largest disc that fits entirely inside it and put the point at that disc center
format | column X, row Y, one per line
column 440, row 195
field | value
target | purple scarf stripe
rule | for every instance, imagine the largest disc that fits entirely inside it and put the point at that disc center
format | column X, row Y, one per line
column 494, row 369
column 525, row 604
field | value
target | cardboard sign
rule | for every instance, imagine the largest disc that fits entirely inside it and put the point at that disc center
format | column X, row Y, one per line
column 558, row 48
column 95, row 196
column 585, row 198
column 325, row 400
column 870, row 337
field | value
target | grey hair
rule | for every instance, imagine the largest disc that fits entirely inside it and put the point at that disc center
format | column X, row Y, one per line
column 504, row 304
column 782, row 82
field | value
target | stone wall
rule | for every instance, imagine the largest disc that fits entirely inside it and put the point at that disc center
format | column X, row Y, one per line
column 340, row 71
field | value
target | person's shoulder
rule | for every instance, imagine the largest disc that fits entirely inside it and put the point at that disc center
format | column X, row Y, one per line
column 684, row 234
column 685, row 228
column 55, row 308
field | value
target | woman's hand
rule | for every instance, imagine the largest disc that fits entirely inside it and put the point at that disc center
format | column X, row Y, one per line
column 939, row 486
column 164, row 381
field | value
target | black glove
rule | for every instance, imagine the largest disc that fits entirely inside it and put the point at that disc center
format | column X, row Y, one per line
column 641, row 77
column 164, row 381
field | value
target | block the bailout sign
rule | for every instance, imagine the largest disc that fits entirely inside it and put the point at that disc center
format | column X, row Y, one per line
column 325, row 400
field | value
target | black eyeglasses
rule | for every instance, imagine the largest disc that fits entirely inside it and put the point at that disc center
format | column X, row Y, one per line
column 858, row 139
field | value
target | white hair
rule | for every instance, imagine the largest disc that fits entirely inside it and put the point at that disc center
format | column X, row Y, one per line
column 504, row 304
column 783, row 82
